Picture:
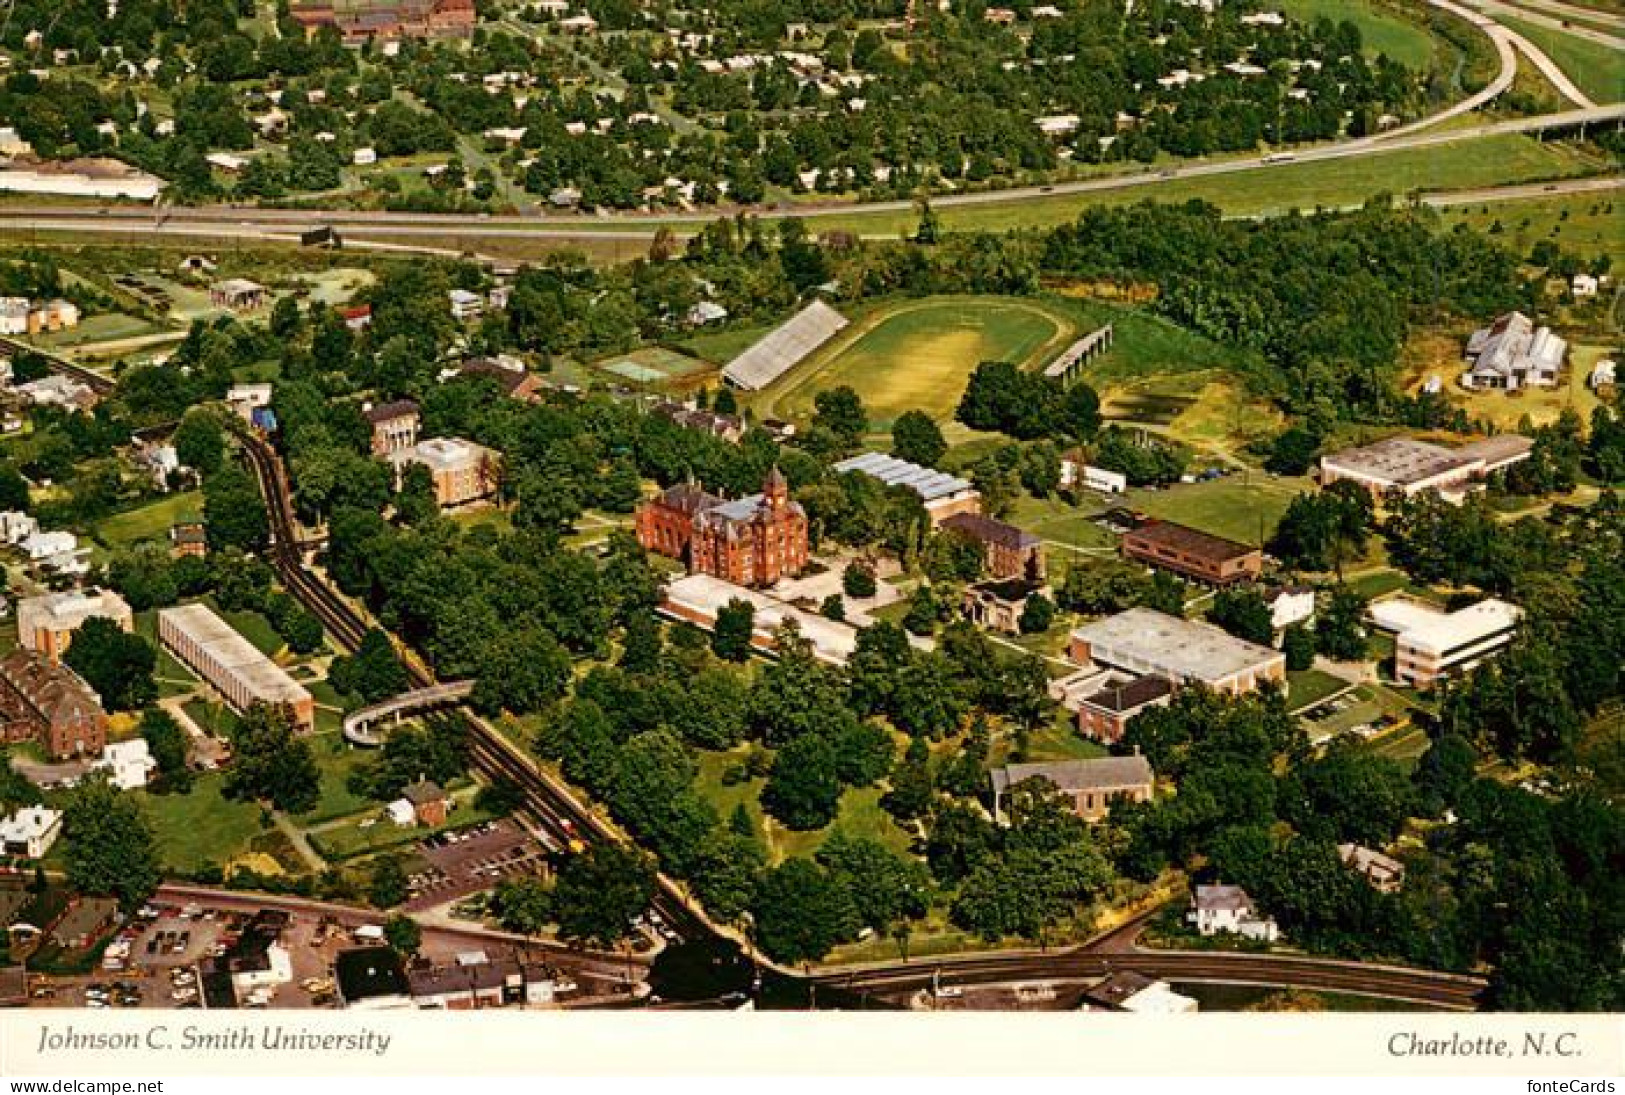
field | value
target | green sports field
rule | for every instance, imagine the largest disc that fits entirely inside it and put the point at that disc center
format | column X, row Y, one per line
column 917, row 355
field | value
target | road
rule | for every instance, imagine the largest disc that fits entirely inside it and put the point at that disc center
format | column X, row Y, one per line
column 1561, row 22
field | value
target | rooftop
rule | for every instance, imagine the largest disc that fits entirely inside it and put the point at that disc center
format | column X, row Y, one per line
column 1220, row 898
column 1186, row 649
column 442, row 453
column 1192, row 541
column 388, row 412
column 928, row 483
column 1129, row 695
column 1400, row 461
column 1099, row 774
column 1429, row 627
column 268, row 680
column 990, row 531
column 366, row 973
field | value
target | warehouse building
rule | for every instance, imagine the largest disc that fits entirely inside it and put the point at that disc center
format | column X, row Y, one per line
column 230, row 663
column 1409, row 466
column 1143, row 641
column 944, row 495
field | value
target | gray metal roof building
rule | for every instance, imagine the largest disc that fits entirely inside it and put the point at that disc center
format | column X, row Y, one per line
column 928, row 483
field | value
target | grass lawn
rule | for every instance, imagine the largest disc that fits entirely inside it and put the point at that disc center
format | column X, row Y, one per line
column 1309, row 686
column 1438, row 353
column 1407, row 743
column 1381, row 31
column 1595, row 69
column 216, row 718
column 1059, row 741
column 1231, row 507
column 917, row 354
column 721, row 347
column 347, row 839
column 1052, row 519
column 99, row 328
column 337, row 760
column 151, row 521
column 202, row 826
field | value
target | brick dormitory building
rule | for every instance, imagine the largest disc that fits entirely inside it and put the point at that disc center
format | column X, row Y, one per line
column 752, row 541
column 46, row 702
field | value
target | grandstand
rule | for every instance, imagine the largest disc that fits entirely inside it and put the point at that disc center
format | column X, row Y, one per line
column 785, row 347
column 1081, row 352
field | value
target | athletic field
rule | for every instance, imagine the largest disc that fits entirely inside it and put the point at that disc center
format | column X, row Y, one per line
column 654, row 365
column 918, row 355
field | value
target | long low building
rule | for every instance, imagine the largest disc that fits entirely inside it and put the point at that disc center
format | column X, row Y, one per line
column 944, row 495
column 1431, row 644
column 231, row 664
column 698, row 598
column 1091, row 785
column 1143, row 641
column 1409, row 467
column 1192, row 553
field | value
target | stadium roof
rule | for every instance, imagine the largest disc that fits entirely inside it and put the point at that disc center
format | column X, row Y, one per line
column 929, row 483
column 783, row 348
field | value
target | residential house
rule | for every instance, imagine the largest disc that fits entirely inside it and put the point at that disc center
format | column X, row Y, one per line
column 188, row 538
column 430, row 803
column 1385, row 873
column 129, row 764
column 465, row 305
column 394, row 426
column 30, row 832
column 725, row 427
column 1229, row 909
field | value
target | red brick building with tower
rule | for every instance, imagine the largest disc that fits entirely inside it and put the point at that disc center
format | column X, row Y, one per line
column 751, row 541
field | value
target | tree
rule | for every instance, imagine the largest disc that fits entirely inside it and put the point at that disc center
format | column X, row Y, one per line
column 1245, row 614
column 523, row 904
column 169, row 746
column 600, row 892
column 801, row 912
column 111, row 848
column 858, row 579
column 1298, row 644
column 13, row 489
column 915, row 437
column 1339, row 632
column 1037, row 614
column 373, row 672
column 116, row 663
column 233, row 513
column 734, row 629
column 886, row 889
column 271, row 763
column 804, row 791
column 1444, row 773
column 840, row 410
column 200, row 442
column 386, row 885
column 403, row 935
column 1293, row 451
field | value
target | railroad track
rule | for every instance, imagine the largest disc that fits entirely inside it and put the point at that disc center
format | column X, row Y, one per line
column 99, row 383
column 561, row 817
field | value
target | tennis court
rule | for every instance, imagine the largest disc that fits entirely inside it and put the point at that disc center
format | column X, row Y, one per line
column 654, row 365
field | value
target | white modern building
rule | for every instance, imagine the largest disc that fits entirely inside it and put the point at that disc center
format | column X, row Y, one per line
column 30, row 831
column 1431, row 644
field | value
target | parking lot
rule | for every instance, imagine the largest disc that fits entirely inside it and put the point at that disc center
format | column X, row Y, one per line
column 471, row 860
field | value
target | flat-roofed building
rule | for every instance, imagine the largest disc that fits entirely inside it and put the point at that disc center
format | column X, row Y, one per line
column 944, row 495
column 1431, row 644
column 1125, row 990
column 46, row 623
column 1092, row 785
column 1143, row 641
column 462, row 471
column 231, row 664
column 1409, row 466
column 1192, row 553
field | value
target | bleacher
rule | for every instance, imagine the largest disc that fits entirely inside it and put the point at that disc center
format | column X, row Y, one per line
column 785, row 347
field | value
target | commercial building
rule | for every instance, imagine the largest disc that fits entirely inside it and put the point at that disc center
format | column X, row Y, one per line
column 372, row 979
column 1143, row 641
column 1512, row 353
column 944, row 495
column 46, row 623
column 474, row 981
column 1409, row 466
column 1092, row 785
column 84, row 178
column 30, row 832
column 231, row 664
column 751, row 541
column 462, row 471
column 1193, row 554
column 1008, row 552
column 394, row 426
column 1229, row 909
column 245, row 399
column 1076, row 471
column 258, row 959
column 43, row 701
column 1431, row 644
column 360, row 20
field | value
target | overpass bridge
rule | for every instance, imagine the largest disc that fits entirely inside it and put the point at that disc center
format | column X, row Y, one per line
column 358, row 725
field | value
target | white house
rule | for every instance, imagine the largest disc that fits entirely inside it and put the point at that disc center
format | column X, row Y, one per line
column 1602, row 373
column 45, row 545
column 465, row 305
column 245, row 399
column 1229, row 909
column 16, row 527
column 30, row 831
column 14, row 315
column 129, row 764
column 362, row 157
column 1583, row 285
column 401, row 813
